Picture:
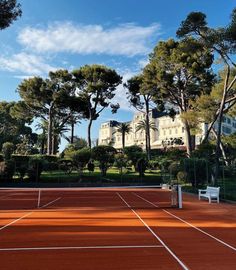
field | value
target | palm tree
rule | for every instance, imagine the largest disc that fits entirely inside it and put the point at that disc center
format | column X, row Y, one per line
column 144, row 125
column 124, row 128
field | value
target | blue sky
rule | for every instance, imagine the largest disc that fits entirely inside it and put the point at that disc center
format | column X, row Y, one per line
column 54, row 34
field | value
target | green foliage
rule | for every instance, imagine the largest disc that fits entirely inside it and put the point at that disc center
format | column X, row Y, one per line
column 105, row 155
column 20, row 164
column 79, row 143
column 134, row 153
column 10, row 12
column 205, row 150
column 182, row 176
column 230, row 146
column 123, row 128
column 175, row 154
column 35, row 167
column 66, row 165
column 198, row 170
column 222, row 42
column 96, row 84
column 7, row 150
column 13, row 128
column 121, row 161
column 47, row 99
column 183, row 73
column 6, row 169
column 81, row 157
column 174, row 168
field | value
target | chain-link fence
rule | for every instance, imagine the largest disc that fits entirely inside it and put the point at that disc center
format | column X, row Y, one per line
column 198, row 173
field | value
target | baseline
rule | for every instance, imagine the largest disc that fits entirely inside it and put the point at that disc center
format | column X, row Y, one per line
column 79, row 247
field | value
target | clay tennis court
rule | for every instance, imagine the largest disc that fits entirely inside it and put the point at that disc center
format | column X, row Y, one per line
column 114, row 228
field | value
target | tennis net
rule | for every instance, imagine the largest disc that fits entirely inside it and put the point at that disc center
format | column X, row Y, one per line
column 138, row 196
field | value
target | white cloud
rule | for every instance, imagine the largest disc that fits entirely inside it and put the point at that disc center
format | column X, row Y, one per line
column 28, row 64
column 125, row 39
column 143, row 62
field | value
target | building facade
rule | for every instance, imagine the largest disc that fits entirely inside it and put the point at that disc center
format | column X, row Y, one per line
column 169, row 131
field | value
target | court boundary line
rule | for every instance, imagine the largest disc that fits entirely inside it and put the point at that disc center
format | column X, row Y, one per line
column 26, row 215
column 79, row 247
column 189, row 224
column 47, row 204
column 154, row 234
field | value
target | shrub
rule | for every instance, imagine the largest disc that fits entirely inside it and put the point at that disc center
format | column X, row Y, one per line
column 6, row 169
column 21, row 164
column 197, row 170
column 121, row 161
column 134, row 153
column 153, row 164
column 7, row 150
column 65, row 165
column 80, row 158
column 105, row 155
column 182, row 176
column 174, row 168
column 36, row 164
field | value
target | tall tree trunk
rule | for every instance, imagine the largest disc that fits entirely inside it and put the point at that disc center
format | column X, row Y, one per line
column 188, row 138
column 49, row 140
column 53, row 144
column 72, row 132
column 123, row 141
column 89, row 133
column 147, row 131
column 219, row 127
column 221, row 148
column 43, row 142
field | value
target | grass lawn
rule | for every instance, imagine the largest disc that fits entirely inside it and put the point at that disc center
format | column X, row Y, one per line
column 113, row 177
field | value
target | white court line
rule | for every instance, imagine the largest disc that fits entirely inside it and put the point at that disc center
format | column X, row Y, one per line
column 189, row 224
column 82, row 247
column 49, row 203
column 154, row 234
column 14, row 221
column 26, row 215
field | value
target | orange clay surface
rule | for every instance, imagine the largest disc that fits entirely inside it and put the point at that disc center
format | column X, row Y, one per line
column 115, row 229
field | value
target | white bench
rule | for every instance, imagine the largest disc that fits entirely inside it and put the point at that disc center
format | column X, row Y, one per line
column 211, row 193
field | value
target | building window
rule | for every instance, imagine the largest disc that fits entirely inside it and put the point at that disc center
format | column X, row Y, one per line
column 182, row 129
column 176, row 131
column 170, row 132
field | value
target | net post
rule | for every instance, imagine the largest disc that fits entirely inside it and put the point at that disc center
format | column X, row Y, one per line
column 180, row 199
column 39, row 198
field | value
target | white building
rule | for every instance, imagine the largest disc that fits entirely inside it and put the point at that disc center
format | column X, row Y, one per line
column 170, row 131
